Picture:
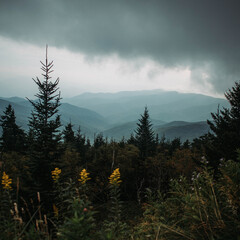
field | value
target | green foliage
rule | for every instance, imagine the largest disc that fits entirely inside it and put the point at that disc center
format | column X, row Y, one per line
column 81, row 144
column 17, row 164
column 80, row 225
column 7, row 224
column 204, row 207
column 79, row 222
column 71, row 161
column 201, row 209
column 98, row 141
column 13, row 137
column 68, row 135
column 34, row 234
column 226, row 128
column 114, row 228
column 64, row 193
column 11, row 223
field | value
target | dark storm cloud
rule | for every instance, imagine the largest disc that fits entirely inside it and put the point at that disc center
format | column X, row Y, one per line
column 201, row 34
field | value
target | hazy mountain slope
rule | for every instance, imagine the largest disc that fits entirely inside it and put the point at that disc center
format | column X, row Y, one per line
column 120, row 131
column 116, row 114
column 124, row 107
column 14, row 99
column 82, row 116
column 183, row 130
column 89, row 121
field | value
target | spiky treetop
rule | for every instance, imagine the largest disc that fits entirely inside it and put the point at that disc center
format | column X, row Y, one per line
column 225, row 126
column 144, row 137
column 48, row 101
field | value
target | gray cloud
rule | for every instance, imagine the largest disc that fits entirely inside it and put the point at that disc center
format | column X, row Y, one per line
column 175, row 33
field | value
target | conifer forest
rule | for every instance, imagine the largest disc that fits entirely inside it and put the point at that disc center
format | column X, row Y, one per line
column 57, row 184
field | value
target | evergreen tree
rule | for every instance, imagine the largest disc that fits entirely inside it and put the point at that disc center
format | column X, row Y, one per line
column 174, row 145
column 13, row 137
column 99, row 141
column 68, row 135
column 225, row 128
column 131, row 140
column 44, row 127
column 82, row 144
column 80, row 140
column 144, row 138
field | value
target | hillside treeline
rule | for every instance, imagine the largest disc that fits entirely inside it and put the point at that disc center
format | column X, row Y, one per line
column 58, row 185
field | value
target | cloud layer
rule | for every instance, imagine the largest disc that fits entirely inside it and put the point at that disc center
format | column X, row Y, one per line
column 201, row 35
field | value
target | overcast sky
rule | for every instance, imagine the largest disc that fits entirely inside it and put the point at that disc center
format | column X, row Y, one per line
column 110, row 45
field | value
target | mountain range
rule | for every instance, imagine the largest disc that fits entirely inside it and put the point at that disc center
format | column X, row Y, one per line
column 167, row 106
column 115, row 115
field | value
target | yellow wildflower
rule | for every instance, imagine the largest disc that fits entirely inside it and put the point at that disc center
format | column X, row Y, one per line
column 6, row 181
column 84, row 176
column 55, row 174
column 114, row 179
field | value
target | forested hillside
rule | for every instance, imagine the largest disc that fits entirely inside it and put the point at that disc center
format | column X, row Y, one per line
column 56, row 184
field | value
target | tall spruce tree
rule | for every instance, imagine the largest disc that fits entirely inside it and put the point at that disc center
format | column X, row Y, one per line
column 44, row 126
column 144, row 136
column 13, row 137
column 80, row 142
column 68, row 135
column 225, row 126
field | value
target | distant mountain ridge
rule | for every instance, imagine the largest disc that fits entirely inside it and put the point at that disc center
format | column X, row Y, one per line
column 89, row 121
column 183, row 130
column 176, row 129
column 115, row 115
column 167, row 106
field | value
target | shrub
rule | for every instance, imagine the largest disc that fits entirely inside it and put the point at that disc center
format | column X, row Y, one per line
column 204, row 208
